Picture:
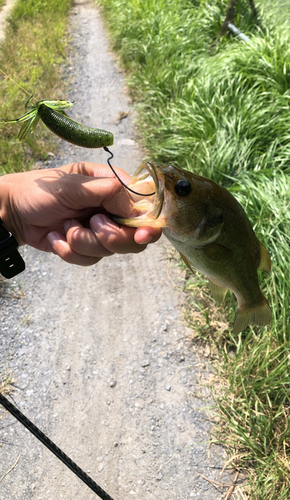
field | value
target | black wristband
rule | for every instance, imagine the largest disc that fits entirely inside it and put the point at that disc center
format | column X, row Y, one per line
column 11, row 262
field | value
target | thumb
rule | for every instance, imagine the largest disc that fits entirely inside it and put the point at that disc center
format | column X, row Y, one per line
column 77, row 191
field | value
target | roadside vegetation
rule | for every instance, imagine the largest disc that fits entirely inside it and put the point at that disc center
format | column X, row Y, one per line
column 6, row 382
column 31, row 54
column 221, row 108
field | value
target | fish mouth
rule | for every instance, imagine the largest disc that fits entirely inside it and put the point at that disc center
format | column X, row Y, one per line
column 145, row 180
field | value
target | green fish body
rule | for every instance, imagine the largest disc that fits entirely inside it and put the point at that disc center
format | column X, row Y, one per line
column 211, row 231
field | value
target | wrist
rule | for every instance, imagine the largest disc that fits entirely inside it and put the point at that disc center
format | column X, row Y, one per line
column 6, row 209
column 11, row 262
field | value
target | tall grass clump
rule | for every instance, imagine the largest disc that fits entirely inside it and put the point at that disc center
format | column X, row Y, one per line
column 221, row 108
column 256, row 406
column 233, row 115
column 31, row 53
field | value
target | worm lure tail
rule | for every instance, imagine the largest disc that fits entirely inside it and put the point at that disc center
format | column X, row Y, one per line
column 53, row 115
column 119, row 179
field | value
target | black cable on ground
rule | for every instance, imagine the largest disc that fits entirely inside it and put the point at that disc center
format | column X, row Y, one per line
column 53, row 448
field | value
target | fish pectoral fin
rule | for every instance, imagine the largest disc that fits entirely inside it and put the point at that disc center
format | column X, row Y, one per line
column 218, row 292
column 260, row 315
column 265, row 259
column 216, row 252
column 186, row 261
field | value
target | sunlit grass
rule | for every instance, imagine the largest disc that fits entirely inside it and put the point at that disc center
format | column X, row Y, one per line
column 255, row 406
column 31, row 53
column 228, row 117
column 6, row 382
column 222, row 110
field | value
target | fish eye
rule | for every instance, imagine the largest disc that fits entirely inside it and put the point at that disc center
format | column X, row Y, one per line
column 183, row 187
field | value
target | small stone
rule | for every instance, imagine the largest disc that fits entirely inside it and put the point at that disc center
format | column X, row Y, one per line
column 113, row 383
column 146, row 363
column 168, row 387
column 159, row 477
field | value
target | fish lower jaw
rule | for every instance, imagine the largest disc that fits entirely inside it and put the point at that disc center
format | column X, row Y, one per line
column 141, row 221
column 146, row 217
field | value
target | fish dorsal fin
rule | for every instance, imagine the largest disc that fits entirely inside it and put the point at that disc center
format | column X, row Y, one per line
column 186, row 262
column 216, row 252
column 265, row 259
column 218, row 292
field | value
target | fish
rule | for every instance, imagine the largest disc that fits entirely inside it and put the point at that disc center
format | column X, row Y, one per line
column 210, row 230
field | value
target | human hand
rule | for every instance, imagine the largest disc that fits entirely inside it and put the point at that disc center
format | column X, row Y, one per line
column 66, row 211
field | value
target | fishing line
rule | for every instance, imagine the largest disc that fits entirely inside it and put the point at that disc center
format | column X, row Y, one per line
column 53, row 448
column 119, row 179
column 22, row 88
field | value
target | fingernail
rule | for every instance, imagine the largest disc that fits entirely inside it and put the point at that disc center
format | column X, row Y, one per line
column 146, row 240
column 66, row 225
column 142, row 236
column 96, row 223
column 52, row 238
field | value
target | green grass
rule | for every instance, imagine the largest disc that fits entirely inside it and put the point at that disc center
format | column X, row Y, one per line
column 31, row 54
column 255, row 408
column 6, row 382
column 222, row 110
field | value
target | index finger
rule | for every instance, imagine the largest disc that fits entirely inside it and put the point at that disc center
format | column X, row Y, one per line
column 78, row 191
column 95, row 170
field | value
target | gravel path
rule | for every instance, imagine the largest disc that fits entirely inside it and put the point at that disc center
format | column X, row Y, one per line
column 4, row 13
column 100, row 355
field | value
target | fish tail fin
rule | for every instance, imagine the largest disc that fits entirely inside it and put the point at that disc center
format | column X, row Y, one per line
column 260, row 315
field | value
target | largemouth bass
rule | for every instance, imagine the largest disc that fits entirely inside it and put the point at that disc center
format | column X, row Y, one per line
column 210, row 230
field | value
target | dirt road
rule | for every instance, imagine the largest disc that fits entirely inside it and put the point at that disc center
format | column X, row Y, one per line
column 100, row 355
column 4, row 13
